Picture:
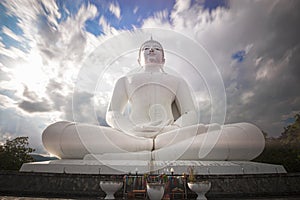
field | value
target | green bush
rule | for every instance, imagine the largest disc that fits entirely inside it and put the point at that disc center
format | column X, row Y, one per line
column 14, row 153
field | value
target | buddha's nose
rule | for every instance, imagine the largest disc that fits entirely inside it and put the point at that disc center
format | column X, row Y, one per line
column 151, row 50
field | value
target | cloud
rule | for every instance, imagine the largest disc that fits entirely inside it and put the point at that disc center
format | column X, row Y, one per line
column 42, row 79
column 36, row 106
column 263, row 37
column 107, row 28
column 11, row 52
column 3, row 74
column 23, row 125
column 159, row 19
column 82, row 108
column 11, row 34
column 181, row 6
column 5, row 101
column 64, row 45
column 272, row 80
column 115, row 9
column 30, row 94
column 136, row 8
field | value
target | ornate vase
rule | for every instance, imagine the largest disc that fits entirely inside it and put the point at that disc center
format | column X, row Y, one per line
column 110, row 187
column 200, row 188
column 155, row 191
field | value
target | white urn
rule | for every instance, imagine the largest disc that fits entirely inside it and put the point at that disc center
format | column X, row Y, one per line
column 110, row 188
column 155, row 191
column 201, row 188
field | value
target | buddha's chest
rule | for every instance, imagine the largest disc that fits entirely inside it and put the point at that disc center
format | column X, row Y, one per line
column 152, row 84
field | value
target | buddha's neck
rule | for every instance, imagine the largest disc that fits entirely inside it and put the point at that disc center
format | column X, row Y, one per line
column 152, row 68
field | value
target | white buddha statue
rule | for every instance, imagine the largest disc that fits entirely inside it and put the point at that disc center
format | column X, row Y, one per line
column 162, row 124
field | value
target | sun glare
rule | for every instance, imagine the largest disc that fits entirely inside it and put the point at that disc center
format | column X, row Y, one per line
column 31, row 75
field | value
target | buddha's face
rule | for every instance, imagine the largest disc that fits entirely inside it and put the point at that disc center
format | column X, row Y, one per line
column 151, row 53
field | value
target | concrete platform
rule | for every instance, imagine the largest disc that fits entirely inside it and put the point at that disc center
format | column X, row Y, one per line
column 131, row 166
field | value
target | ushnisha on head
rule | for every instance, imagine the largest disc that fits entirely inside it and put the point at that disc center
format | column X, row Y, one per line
column 151, row 53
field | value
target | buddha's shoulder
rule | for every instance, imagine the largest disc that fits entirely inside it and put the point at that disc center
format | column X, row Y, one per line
column 142, row 78
column 146, row 74
column 122, row 79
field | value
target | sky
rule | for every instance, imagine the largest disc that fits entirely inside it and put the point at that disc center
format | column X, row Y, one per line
column 45, row 46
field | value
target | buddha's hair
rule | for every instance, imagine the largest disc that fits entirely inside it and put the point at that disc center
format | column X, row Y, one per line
column 151, row 40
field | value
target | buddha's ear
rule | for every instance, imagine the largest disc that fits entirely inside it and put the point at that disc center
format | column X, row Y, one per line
column 163, row 61
column 175, row 110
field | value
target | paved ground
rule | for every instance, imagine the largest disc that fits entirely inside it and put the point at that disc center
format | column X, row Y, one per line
column 33, row 198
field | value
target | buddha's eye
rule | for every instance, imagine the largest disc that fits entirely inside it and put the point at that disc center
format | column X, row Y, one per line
column 146, row 48
column 158, row 49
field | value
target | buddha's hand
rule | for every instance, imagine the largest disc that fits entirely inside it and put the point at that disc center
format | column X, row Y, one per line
column 155, row 126
column 146, row 129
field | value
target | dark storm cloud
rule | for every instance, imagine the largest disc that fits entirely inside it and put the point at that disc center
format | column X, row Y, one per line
column 81, row 108
column 55, row 92
column 283, row 29
column 29, row 94
column 32, row 103
column 31, row 107
column 262, row 86
column 78, row 106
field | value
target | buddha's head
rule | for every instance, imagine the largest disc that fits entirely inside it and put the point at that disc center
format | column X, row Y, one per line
column 151, row 53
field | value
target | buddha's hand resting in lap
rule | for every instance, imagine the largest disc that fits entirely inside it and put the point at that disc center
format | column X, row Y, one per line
column 152, row 126
column 150, row 129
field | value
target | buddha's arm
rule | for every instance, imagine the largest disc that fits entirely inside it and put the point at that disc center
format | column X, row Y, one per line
column 186, row 106
column 114, row 115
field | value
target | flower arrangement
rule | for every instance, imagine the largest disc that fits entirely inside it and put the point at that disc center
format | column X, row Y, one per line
column 191, row 177
column 159, row 179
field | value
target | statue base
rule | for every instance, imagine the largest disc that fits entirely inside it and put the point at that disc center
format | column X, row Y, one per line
column 156, row 167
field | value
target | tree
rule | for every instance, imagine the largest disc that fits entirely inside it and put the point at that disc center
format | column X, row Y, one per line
column 291, row 134
column 14, row 153
column 285, row 149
